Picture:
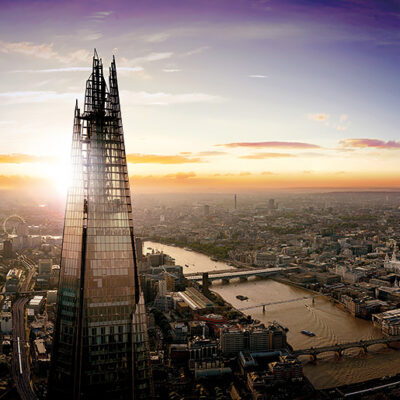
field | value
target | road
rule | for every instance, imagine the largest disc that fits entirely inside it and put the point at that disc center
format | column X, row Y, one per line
column 20, row 367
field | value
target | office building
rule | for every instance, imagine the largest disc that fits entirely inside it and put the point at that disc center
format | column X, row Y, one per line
column 100, row 344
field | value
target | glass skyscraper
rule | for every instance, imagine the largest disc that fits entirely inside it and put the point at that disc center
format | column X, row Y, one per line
column 100, row 343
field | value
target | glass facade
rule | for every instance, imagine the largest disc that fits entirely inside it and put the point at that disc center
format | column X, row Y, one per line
column 100, row 346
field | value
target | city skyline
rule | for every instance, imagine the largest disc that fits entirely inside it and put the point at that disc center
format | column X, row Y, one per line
column 218, row 95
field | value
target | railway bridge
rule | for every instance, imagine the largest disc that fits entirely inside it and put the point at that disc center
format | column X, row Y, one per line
column 226, row 276
column 339, row 348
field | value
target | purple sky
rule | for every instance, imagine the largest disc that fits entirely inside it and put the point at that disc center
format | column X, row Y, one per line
column 197, row 76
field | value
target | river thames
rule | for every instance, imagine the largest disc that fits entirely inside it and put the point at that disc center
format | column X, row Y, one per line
column 330, row 324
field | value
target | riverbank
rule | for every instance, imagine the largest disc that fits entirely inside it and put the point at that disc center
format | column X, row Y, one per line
column 208, row 249
column 330, row 323
column 336, row 302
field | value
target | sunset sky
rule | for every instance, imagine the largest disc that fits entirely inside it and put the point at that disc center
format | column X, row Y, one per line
column 216, row 95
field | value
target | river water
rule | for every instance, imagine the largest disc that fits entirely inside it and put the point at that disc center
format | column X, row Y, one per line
column 330, row 324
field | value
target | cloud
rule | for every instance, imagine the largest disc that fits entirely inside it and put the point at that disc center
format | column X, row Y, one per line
column 171, row 70
column 318, row 117
column 312, row 154
column 7, row 122
column 343, row 123
column 51, row 70
column 162, row 98
column 282, row 145
column 195, row 51
column 366, row 143
column 24, row 158
column 100, row 15
column 211, row 153
column 262, row 156
column 92, row 36
column 44, row 51
column 204, row 153
column 129, row 98
column 73, row 69
column 156, row 37
column 152, row 57
column 130, row 69
column 181, row 175
column 36, row 97
column 160, row 159
column 258, row 76
column 26, row 184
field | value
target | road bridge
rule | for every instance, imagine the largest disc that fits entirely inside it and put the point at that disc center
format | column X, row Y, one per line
column 339, row 348
column 235, row 273
column 220, row 271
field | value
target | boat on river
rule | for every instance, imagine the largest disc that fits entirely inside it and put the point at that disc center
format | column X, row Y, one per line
column 241, row 298
column 307, row 333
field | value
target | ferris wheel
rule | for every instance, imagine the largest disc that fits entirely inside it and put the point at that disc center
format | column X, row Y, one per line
column 7, row 225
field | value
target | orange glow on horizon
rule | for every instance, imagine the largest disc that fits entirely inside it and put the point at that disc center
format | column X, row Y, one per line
column 245, row 181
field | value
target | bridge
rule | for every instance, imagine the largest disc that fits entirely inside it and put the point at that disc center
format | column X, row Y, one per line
column 272, row 303
column 339, row 348
column 226, row 276
column 220, row 271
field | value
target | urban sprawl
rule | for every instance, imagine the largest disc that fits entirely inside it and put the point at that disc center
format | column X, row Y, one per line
column 342, row 246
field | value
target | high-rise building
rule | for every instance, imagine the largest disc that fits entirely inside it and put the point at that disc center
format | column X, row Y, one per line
column 7, row 248
column 45, row 266
column 271, row 204
column 100, row 345
column 139, row 249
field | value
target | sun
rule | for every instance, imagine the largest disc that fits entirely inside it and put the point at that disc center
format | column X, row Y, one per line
column 60, row 174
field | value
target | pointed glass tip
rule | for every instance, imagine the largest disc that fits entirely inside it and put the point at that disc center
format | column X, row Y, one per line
column 95, row 55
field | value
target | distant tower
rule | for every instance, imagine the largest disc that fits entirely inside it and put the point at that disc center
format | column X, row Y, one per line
column 139, row 248
column 271, row 204
column 100, row 348
column 7, row 248
column 235, row 201
column 206, row 210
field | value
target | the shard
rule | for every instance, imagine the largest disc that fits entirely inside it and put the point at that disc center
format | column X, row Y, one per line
column 100, row 345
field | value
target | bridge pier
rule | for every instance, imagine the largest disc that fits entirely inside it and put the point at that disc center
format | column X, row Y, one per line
column 225, row 280
column 263, row 309
column 339, row 353
column 313, row 357
column 243, row 278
